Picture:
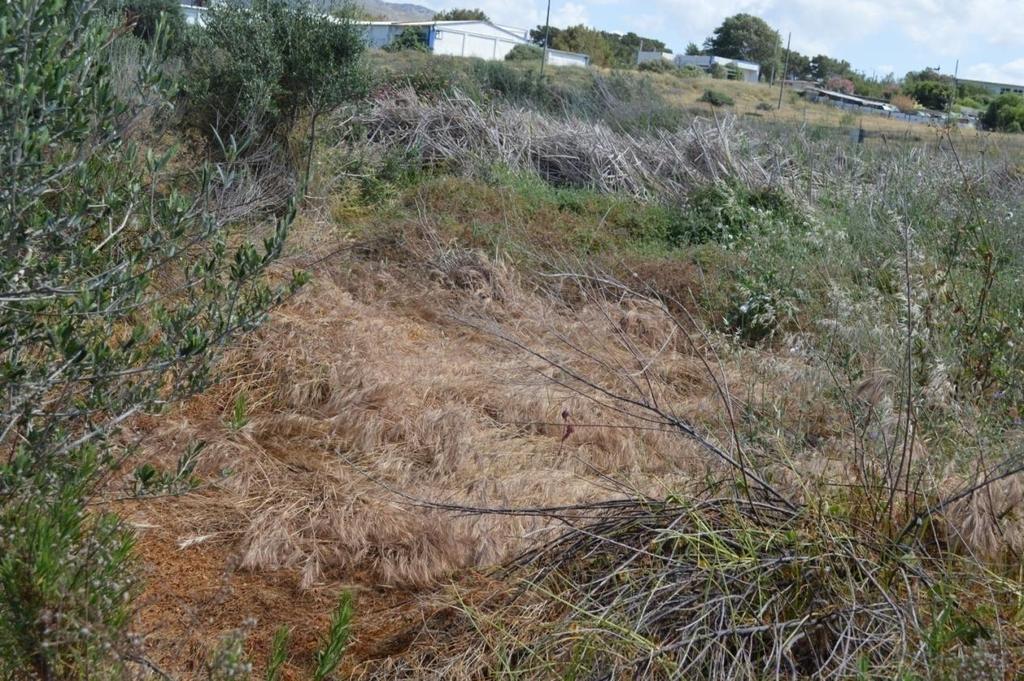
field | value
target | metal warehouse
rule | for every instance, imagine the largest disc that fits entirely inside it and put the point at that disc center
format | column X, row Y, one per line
column 465, row 39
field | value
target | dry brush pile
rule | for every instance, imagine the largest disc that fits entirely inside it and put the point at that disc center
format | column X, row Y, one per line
column 456, row 133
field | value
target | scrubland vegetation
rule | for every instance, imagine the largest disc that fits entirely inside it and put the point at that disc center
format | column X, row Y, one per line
column 319, row 364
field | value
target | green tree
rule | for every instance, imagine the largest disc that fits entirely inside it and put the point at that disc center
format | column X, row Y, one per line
column 411, row 38
column 259, row 68
column 930, row 88
column 630, row 42
column 604, row 49
column 799, row 65
column 747, row 38
column 462, row 15
column 1005, row 113
column 932, row 94
column 692, row 49
column 116, row 287
column 143, row 16
column 822, row 67
column 584, row 40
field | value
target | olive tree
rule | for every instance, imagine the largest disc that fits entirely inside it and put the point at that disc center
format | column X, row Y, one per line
column 116, row 287
column 257, row 68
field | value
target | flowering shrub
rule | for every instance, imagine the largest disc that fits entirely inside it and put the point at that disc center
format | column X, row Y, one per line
column 840, row 84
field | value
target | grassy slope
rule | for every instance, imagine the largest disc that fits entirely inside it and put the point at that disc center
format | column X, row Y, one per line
column 416, row 400
column 685, row 93
column 370, row 386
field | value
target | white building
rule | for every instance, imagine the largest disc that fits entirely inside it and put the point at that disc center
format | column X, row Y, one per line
column 470, row 38
column 996, row 88
column 749, row 72
column 194, row 15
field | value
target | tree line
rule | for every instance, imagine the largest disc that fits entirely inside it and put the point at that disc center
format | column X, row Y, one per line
column 749, row 38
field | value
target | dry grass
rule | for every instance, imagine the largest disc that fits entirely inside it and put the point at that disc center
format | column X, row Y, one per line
column 423, row 409
column 363, row 403
column 417, row 391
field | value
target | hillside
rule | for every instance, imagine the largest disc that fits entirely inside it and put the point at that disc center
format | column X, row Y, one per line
column 395, row 11
column 391, row 366
column 473, row 383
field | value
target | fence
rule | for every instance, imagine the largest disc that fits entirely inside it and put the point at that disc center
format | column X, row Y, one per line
column 895, row 115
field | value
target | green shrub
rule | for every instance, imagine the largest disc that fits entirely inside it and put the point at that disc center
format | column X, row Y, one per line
column 91, row 333
column 525, row 53
column 410, row 39
column 719, row 72
column 507, row 83
column 66, row 578
column 725, row 213
column 765, row 106
column 620, row 99
column 716, row 98
column 144, row 15
column 657, row 66
column 970, row 103
column 428, row 75
column 1005, row 113
column 257, row 68
column 932, row 94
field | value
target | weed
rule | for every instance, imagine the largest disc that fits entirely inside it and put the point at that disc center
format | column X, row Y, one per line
column 278, row 654
column 717, row 98
column 332, row 648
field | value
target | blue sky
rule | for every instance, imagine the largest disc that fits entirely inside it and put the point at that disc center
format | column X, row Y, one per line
column 876, row 36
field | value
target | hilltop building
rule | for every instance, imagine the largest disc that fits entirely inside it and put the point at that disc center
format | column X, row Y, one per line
column 749, row 72
column 470, row 38
column 995, row 88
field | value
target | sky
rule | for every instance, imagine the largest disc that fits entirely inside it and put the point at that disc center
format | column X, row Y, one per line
column 877, row 37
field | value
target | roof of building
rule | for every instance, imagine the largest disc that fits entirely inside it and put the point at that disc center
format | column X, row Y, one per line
column 990, row 82
column 517, row 33
column 715, row 59
column 853, row 99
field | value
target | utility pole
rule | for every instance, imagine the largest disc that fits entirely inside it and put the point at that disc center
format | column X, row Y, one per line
column 775, row 65
column 782, row 81
column 547, row 39
column 956, row 89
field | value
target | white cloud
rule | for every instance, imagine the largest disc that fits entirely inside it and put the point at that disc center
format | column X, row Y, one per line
column 569, row 14
column 1010, row 72
column 942, row 26
column 526, row 14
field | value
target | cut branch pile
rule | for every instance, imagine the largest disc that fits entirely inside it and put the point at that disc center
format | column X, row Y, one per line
column 726, row 589
column 674, row 589
column 457, row 133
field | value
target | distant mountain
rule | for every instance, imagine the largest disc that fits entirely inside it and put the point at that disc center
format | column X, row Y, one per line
column 395, row 11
